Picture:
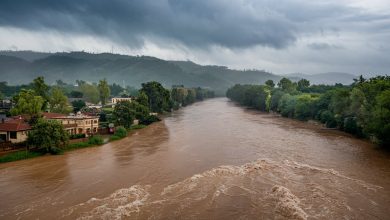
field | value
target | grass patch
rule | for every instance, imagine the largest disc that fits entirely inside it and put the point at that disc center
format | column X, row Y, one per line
column 115, row 138
column 78, row 145
column 135, row 127
column 96, row 140
column 19, row 155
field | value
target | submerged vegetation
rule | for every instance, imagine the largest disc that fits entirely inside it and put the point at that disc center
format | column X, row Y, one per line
column 362, row 109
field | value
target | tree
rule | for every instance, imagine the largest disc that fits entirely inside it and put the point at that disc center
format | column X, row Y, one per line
column 305, row 107
column 179, row 94
column 104, row 91
column 143, row 99
column 141, row 112
column 27, row 102
column 58, row 102
column 270, row 83
column 287, row 105
column 190, row 98
column 124, row 114
column 78, row 105
column 116, row 89
column 60, row 83
column 76, row 94
column 379, row 123
column 159, row 97
column 48, row 136
column 286, row 85
column 275, row 98
column 1, row 96
column 303, row 84
column 41, row 89
column 91, row 93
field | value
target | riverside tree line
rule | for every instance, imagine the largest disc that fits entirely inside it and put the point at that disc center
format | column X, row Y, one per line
column 362, row 108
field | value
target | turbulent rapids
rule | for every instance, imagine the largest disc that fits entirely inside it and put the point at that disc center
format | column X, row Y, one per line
column 212, row 160
column 250, row 191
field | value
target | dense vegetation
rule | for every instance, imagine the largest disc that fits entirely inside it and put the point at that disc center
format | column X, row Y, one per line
column 362, row 109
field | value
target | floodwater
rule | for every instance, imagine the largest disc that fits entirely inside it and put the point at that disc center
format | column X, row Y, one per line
column 210, row 160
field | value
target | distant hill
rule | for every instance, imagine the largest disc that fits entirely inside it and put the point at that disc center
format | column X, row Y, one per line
column 19, row 67
column 25, row 54
column 325, row 78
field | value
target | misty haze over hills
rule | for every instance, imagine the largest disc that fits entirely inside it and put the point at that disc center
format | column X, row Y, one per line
column 18, row 67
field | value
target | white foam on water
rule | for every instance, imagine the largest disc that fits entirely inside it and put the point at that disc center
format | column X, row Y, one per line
column 121, row 203
column 362, row 183
column 250, row 182
column 287, row 204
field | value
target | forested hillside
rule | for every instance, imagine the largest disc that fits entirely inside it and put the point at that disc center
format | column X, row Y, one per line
column 20, row 67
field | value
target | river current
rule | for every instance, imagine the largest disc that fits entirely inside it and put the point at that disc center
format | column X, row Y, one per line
column 210, row 160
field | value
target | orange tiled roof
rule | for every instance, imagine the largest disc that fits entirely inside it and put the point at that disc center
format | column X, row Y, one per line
column 14, row 125
column 51, row 115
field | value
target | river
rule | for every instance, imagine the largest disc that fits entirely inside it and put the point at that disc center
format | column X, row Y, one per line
column 210, row 160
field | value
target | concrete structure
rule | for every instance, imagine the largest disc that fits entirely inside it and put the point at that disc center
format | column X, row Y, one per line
column 116, row 100
column 14, row 130
column 76, row 123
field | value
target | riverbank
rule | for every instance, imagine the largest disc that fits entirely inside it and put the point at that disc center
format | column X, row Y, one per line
column 94, row 141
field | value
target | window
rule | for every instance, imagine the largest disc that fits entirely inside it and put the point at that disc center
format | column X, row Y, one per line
column 95, row 121
column 3, row 137
column 13, row 135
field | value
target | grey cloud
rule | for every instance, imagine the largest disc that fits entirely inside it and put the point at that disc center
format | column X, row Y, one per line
column 323, row 46
column 200, row 23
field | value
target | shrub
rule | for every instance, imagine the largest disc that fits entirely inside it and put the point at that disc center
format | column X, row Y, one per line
column 114, row 138
column 77, row 136
column 121, row 132
column 96, row 140
column 149, row 120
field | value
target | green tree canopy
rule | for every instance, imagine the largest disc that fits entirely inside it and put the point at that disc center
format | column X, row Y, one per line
column 27, row 102
column 270, row 83
column 91, row 92
column 143, row 99
column 78, row 105
column 286, row 85
column 76, row 94
column 124, row 114
column 159, row 97
column 48, row 136
column 41, row 89
column 58, row 102
column 104, row 91
column 303, row 84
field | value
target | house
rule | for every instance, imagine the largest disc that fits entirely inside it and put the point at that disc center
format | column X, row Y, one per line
column 119, row 99
column 14, row 130
column 5, row 105
column 76, row 123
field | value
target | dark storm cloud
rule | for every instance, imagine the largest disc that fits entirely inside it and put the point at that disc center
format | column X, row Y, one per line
column 200, row 23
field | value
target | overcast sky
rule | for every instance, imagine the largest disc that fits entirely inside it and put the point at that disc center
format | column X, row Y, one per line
column 283, row 36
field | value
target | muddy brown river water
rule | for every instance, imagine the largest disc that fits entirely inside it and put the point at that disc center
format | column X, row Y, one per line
column 210, row 160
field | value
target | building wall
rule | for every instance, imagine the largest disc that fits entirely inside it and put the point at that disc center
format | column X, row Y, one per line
column 116, row 100
column 21, row 136
column 84, row 125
